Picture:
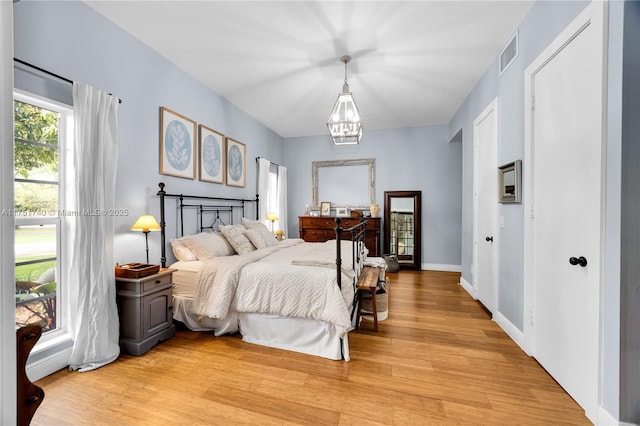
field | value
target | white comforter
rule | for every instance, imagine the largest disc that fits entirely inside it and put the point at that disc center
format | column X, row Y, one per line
column 269, row 281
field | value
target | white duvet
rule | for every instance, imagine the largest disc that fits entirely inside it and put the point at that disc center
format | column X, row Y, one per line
column 277, row 280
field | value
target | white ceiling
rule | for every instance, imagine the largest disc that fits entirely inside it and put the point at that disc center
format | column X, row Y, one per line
column 414, row 62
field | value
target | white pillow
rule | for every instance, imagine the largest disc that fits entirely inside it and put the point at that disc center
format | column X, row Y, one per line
column 208, row 244
column 259, row 226
column 253, row 224
column 236, row 237
column 269, row 239
column 181, row 251
column 256, row 238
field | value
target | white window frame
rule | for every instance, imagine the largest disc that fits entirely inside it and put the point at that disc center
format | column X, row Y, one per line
column 61, row 336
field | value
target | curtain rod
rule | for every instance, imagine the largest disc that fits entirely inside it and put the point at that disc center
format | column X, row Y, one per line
column 35, row 67
column 275, row 164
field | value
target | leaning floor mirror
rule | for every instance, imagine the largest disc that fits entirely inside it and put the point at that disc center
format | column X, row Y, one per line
column 402, row 227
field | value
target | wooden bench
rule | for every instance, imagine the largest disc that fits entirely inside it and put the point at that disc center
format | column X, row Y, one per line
column 368, row 281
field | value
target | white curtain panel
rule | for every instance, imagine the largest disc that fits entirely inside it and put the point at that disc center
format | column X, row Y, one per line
column 263, row 189
column 282, row 198
column 94, row 315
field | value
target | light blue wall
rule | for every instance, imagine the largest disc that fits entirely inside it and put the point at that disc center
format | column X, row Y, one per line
column 543, row 23
column 416, row 158
column 72, row 40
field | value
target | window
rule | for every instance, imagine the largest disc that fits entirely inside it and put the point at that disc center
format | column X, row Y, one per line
column 41, row 129
column 272, row 200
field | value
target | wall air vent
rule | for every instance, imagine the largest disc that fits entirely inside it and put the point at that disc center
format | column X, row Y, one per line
column 509, row 53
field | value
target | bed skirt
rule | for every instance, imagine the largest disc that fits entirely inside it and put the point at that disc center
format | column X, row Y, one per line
column 302, row 335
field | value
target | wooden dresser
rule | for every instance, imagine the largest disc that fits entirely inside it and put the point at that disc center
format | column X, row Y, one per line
column 320, row 229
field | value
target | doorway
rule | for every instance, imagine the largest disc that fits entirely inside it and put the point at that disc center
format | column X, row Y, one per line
column 564, row 146
column 403, row 227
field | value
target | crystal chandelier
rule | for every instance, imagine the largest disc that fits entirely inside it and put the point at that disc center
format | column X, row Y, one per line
column 345, row 124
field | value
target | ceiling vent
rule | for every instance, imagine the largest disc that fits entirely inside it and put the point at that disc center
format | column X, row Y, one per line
column 509, row 53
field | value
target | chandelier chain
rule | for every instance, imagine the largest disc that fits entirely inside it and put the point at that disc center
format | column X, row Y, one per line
column 345, row 72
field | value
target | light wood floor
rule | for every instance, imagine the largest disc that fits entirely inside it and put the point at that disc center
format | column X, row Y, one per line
column 438, row 359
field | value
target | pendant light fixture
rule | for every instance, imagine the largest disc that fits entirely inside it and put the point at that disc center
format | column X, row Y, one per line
column 345, row 124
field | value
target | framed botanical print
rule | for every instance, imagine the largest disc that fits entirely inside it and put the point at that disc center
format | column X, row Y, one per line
column 177, row 144
column 236, row 163
column 212, row 155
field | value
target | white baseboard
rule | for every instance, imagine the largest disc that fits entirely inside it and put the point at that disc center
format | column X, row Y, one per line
column 441, row 267
column 606, row 419
column 48, row 365
column 468, row 288
column 511, row 330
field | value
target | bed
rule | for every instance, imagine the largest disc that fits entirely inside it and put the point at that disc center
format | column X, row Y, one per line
column 289, row 295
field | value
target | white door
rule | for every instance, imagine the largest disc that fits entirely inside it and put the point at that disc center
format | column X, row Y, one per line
column 485, row 143
column 565, row 148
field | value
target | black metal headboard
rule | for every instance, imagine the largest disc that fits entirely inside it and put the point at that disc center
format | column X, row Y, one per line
column 203, row 207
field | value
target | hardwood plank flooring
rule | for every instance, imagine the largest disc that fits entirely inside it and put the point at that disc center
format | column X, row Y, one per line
column 438, row 359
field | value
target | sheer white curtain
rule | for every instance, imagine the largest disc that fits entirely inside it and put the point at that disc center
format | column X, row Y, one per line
column 282, row 198
column 94, row 319
column 263, row 188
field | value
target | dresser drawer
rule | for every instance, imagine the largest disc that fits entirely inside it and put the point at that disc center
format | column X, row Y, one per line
column 320, row 229
column 317, row 222
column 317, row 235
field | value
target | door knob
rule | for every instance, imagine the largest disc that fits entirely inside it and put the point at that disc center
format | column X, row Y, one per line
column 490, row 239
column 582, row 261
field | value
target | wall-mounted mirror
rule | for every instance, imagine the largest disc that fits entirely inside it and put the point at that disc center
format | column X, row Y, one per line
column 402, row 227
column 343, row 183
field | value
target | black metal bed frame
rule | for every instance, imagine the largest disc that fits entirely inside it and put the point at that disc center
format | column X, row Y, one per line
column 230, row 205
column 355, row 233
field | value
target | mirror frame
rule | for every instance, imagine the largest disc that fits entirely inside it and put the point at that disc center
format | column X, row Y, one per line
column 417, row 231
column 371, row 162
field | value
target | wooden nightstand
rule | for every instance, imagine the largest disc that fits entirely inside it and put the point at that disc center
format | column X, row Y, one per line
column 145, row 308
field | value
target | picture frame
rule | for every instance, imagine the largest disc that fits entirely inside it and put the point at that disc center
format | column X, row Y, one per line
column 212, row 155
column 325, row 208
column 314, row 213
column 177, row 144
column 236, row 163
column 510, row 182
column 342, row 212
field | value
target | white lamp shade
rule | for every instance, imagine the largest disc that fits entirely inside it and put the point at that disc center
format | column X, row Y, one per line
column 146, row 223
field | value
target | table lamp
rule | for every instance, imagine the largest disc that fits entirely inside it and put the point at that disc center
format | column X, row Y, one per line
column 146, row 223
column 272, row 216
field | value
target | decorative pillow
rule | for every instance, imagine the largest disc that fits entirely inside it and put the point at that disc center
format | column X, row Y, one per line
column 253, row 224
column 256, row 238
column 181, row 251
column 259, row 226
column 236, row 237
column 208, row 244
column 269, row 239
